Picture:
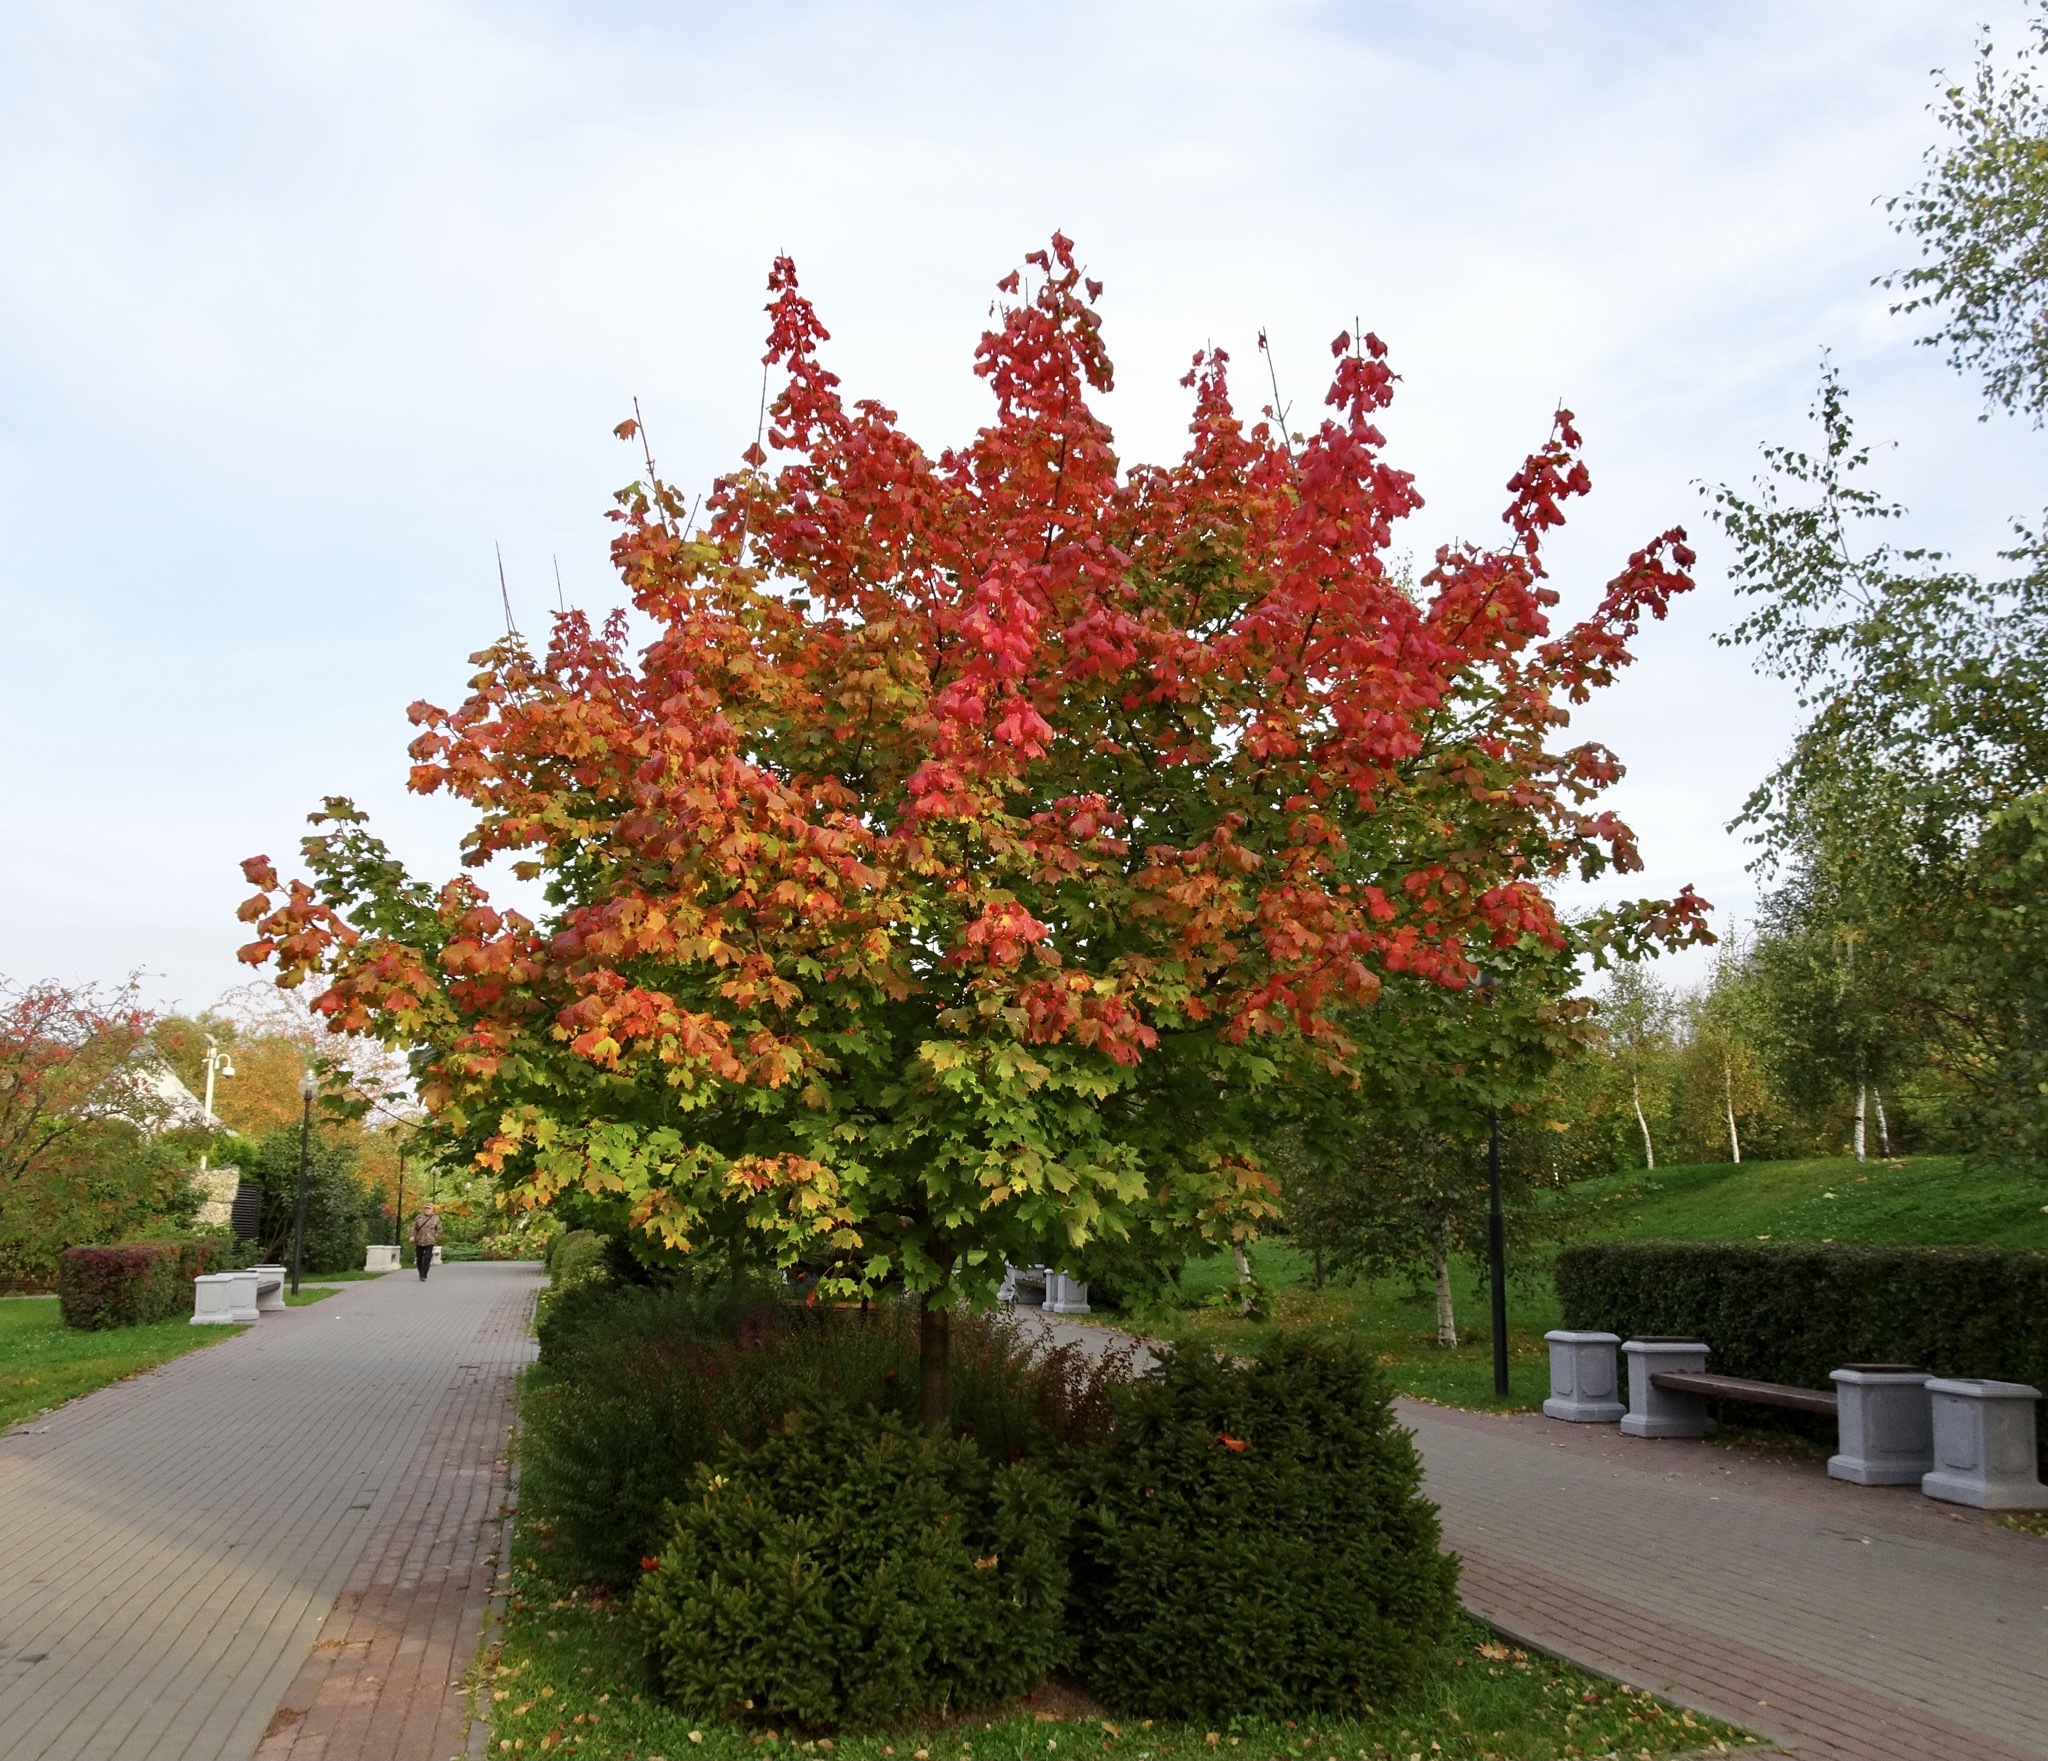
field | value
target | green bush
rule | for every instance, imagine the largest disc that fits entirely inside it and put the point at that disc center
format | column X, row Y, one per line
column 104, row 1182
column 578, row 1236
column 639, row 1385
column 337, row 1207
column 1253, row 1539
column 851, row 1570
column 1793, row 1311
column 134, row 1282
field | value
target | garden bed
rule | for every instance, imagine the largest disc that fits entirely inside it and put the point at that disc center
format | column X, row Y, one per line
column 566, row 1678
column 735, row 1539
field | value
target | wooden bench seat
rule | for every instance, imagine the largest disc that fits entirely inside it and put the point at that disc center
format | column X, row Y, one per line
column 1742, row 1388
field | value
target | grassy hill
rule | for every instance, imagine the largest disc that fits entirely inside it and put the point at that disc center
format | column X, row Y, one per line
column 1929, row 1201
column 1926, row 1201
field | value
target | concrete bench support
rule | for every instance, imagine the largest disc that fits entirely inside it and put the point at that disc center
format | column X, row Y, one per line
column 1584, row 1378
column 380, row 1257
column 1656, row 1412
column 1984, row 1445
column 1040, row 1287
column 269, row 1289
column 213, row 1299
column 1885, row 1425
column 1065, row 1296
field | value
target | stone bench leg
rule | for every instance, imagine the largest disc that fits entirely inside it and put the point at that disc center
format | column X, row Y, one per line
column 1984, row 1452
column 213, row 1299
column 1065, row 1296
column 242, row 1305
column 1884, row 1427
column 270, row 1302
column 1652, row 1412
column 1583, row 1379
column 380, row 1257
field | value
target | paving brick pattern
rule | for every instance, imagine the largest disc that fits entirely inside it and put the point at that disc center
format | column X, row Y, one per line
column 172, row 1548
column 1859, row 1623
column 385, row 1677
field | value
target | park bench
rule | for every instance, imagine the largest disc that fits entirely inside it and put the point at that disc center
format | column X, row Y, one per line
column 227, row 1299
column 1779, row 1394
column 1967, row 1441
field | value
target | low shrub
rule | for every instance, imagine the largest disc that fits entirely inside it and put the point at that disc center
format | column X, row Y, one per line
column 1253, row 1539
column 639, row 1385
column 574, row 1252
column 1793, row 1311
column 850, row 1569
column 134, row 1282
column 574, row 1258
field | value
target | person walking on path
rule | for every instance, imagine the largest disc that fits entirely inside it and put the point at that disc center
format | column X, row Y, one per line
column 426, row 1233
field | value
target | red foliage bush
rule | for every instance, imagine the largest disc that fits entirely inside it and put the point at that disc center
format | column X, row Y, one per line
column 133, row 1282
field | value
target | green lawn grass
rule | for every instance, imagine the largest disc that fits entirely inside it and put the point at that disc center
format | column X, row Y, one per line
column 566, row 1679
column 44, row 1363
column 1927, row 1201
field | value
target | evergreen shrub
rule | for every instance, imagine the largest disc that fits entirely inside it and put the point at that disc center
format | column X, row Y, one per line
column 1253, row 1539
column 134, row 1282
column 572, row 1253
column 851, row 1569
column 639, row 1385
column 1793, row 1311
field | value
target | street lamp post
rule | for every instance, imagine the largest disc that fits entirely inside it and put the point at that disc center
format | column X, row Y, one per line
column 218, row 1063
column 309, row 1086
column 1497, row 1257
column 1496, row 1230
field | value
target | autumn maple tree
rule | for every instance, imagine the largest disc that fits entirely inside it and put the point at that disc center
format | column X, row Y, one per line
column 982, row 839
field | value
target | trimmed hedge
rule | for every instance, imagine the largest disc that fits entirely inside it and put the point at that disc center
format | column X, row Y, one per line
column 134, row 1282
column 1793, row 1311
column 852, row 1570
column 1253, row 1539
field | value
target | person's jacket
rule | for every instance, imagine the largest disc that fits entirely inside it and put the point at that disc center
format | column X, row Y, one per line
column 426, row 1230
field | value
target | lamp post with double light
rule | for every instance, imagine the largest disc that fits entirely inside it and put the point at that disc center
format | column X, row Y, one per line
column 309, row 1086
column 218, row 1063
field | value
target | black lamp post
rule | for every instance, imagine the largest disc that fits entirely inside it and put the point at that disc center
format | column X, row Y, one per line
column 1496, row 1232
column 309, row 1086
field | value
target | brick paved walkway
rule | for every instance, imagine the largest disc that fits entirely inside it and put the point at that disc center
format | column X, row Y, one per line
column 1850, row 1622
column 175, row 1548
column 1844, row 1622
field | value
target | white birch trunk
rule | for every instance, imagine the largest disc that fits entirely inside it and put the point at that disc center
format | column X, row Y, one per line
column 1635, row 1084
column 1862, row 1107
column 1244, row 1276
column 1728, row 1094
column 1446, row 1321
column 1884, row 1137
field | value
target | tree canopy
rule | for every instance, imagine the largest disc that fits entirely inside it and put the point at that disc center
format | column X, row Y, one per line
column 983, row 837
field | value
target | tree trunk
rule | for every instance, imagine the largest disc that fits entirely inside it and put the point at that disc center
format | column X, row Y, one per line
column 1635, row 1084
column 1862, row 1107
column 1446, row 1321
column 1884, row 1137
column 935, row 1363
column 1244, row 1277
column 1728, row 1092
column 1317, row 1255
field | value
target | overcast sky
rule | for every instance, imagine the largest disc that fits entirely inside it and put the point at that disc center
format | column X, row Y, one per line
column 304, row 308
